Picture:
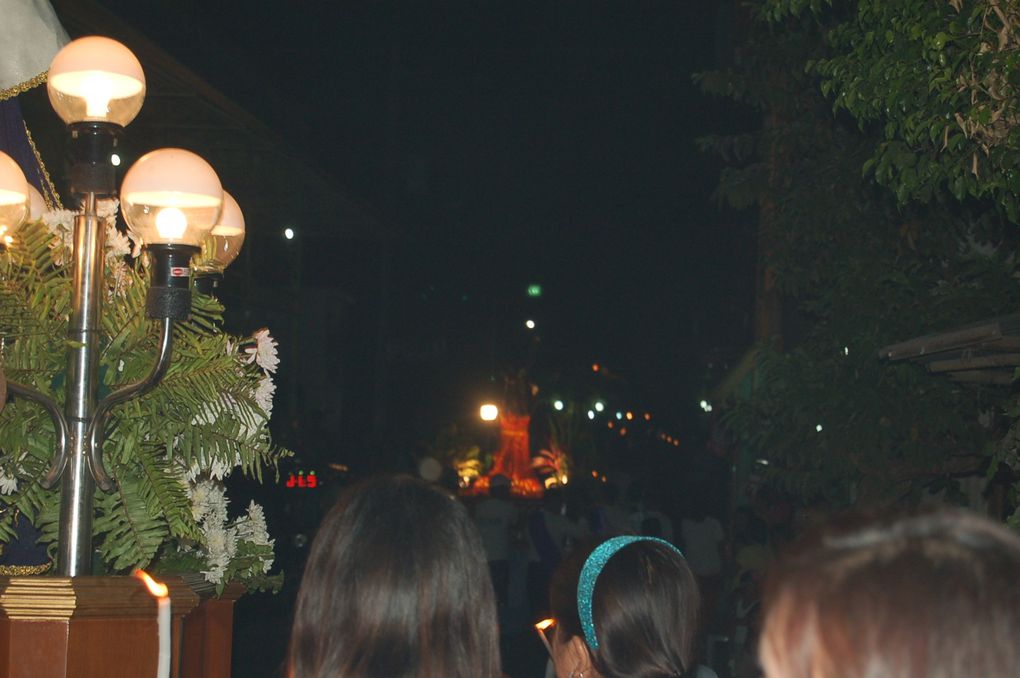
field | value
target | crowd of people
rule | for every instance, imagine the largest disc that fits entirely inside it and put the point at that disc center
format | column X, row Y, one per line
column 402, row 581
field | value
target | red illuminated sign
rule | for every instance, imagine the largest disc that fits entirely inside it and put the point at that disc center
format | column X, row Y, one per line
column 303, row 481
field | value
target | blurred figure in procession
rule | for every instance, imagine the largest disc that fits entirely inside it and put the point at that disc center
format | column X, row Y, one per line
column 495, row 517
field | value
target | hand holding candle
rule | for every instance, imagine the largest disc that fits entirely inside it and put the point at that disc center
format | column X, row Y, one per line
column 162, row 594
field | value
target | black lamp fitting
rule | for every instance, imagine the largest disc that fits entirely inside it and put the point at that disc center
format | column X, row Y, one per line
column 208, row 282
column 92, row 147
column 170, row 292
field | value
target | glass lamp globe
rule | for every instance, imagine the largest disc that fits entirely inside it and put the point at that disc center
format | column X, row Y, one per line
column 36, row 204
column 96, row 79
column 13, row 195
column 171, row 197
column 224, row 242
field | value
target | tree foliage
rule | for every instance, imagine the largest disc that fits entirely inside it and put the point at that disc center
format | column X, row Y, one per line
column 877, row 229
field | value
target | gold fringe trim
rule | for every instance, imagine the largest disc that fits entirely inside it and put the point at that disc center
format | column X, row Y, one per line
column 22, row 87
column 23, row 570
column 50, row 196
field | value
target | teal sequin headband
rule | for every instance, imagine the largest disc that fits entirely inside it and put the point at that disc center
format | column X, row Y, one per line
column 590, row 574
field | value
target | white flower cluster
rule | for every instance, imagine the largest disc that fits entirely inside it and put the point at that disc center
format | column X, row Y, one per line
column 209, row 508
column 263, row 353
column 220, row 537
column 8, row 484
column 60, row 224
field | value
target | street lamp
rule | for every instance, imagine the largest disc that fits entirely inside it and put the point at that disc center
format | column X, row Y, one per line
column 220, row 247
column 14, row 200
column 171, row 199
column 488, row 412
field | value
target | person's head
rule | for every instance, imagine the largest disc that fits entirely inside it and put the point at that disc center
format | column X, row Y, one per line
column 627, row 608
column 932, row 595
column 499, row 486
column 396, row 586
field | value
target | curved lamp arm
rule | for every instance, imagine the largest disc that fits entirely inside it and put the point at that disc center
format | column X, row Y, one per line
column 97, row 426
column 59, row 426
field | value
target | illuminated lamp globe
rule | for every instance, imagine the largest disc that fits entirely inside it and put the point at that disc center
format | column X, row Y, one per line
column 223, row 243
column 96, row 79
column 36, row 204
column 488, row 412
column 13, row 195
column 171, row 197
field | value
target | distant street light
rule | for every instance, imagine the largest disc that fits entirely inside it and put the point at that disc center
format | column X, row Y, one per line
column 288, row 233
column 530, row 324
column 488, row 412
column 558, row 405
column 599, row 406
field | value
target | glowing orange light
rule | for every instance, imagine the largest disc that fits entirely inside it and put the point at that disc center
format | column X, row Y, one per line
column 623, row 431
column 648, row 416
column 630, row 415
column 155, row 588
column 595, row 367
column 540, row 627
column 609, row 424
column 676, row 443
column 594, row 474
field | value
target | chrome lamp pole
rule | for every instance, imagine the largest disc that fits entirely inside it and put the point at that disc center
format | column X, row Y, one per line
column 171, row 199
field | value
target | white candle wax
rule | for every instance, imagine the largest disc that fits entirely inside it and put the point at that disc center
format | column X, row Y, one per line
column 163, row 668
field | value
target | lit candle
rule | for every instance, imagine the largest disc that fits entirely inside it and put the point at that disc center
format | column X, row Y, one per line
column 541, row 628
column 162, row 594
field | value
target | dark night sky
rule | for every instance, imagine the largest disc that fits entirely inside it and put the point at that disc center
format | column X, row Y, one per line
column 513, row 142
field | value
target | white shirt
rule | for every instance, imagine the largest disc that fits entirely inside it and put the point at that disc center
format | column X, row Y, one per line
column 701, row 545
column 494, row 517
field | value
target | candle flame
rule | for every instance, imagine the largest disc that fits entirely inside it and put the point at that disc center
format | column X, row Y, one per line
column 155, row 588
column 544, row 624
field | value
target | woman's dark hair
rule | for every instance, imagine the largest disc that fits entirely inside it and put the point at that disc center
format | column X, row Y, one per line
column 396, row 586
column 933, row 594
column 644, row 606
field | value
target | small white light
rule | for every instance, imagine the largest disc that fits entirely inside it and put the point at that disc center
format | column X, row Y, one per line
column 619, row 415
column 115, row 160
column 591, row 414
column 763, row 462
column 488, row 412
column 558, row 405
column 8, row 240
column 846, row 350
column 530, row 324
column 599, row 406
column 708, row 408
column 818, row 428
column 288, row 233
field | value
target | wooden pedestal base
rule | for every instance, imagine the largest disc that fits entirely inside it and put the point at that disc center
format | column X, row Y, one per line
column 105, row 627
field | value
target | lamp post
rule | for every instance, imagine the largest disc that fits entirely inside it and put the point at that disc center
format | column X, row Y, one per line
column 171, row 199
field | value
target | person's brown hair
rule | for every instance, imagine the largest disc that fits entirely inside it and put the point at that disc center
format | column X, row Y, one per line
column 644, row 607
column 934, row 595
column 396, row 586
